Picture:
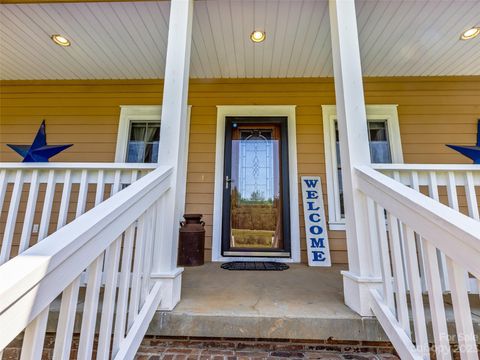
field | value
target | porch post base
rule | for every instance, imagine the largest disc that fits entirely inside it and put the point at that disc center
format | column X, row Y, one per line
column 356, row 291
column 171, row 288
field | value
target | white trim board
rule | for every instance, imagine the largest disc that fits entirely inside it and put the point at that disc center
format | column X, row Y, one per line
column 256, row 110
column 129, row 113
column 374, row 112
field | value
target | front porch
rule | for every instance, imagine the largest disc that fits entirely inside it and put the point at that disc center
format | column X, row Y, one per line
column 89, row 250
column 299, row 303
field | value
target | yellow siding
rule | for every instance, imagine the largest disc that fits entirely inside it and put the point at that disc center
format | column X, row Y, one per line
column 432, row 112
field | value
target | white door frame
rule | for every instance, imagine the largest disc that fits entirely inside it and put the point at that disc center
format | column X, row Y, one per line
column 256, row 110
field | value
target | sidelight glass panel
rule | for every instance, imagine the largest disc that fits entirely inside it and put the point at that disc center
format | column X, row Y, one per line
column 256, row 201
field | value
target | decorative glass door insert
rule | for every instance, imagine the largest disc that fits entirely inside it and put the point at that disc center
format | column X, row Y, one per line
column 256, row 218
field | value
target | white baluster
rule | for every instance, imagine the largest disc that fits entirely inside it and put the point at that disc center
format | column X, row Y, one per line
column 82, row 194
column 89, row 316
column 463, row 316
column 100, row 191
column 47, row 206
column 3, row 187
column 453, row 198
column 472, row 203
column 11, row 218
column 34, row 337
column 136, row 274
column 134, row 176
column 418, row 311
column 374, row 250
column 108, row 307
column 471, row 196
column 152, row 228
column 415, row 184
column 66, row 321
column 435, row 298
column 116, row 186
column 433, row 193
column 29, row 213
column 388, row 292
column 65, row 201
column 123, row 289
column 399, row 277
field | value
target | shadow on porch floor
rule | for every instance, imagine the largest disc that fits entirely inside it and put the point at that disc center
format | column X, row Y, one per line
column 299, row 303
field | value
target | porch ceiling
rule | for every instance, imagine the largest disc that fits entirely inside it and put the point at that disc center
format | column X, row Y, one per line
column 122, row 40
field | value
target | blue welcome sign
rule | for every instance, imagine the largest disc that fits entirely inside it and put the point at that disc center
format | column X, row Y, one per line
column 318, row 249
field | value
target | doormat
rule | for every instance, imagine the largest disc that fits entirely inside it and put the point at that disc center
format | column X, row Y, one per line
column 255, row 266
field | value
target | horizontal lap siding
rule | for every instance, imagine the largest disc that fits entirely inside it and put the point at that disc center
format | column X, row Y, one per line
column 432, row 112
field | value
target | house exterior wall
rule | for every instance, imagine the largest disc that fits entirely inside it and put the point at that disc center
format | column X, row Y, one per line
column 432, row 112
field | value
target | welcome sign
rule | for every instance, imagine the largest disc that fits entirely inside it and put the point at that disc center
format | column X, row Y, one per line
column 318, row 249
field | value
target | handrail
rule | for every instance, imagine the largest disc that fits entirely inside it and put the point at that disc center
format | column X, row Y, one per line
column 77, row 165
column 27, row 181
column 38, row 275
column 421, row 243
column 426, row 167
column 426, row 216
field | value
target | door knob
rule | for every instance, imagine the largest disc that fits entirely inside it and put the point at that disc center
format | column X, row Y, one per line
column 227, row 181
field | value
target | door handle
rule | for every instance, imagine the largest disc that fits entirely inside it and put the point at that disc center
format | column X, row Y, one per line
column 227, row 181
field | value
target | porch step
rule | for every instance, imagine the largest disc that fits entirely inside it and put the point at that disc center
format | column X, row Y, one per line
column 229, row 349
column 299, row 303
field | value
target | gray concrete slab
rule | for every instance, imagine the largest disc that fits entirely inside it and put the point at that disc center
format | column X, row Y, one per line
column 300, row 303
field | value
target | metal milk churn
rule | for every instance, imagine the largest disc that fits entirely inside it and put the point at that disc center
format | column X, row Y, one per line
column 191, row 244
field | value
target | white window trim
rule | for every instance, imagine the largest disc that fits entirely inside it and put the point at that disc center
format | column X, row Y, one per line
column 129, row 113
column 374, row 112
column 256, row 110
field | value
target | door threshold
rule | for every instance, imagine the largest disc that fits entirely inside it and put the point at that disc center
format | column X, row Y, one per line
column 257, row 254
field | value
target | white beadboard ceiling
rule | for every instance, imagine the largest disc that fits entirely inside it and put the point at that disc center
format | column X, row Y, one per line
column 128, row 39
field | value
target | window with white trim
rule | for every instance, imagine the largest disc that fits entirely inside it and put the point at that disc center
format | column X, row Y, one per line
column 385, row 147
column 138, row 134
column 142, row 146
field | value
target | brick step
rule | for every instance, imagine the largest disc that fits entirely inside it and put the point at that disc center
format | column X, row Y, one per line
column 154, row 347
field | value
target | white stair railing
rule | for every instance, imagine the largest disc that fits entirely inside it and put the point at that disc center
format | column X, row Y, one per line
column 116, row 238
column 457, row 186
column 402, row 218
column 38, row 199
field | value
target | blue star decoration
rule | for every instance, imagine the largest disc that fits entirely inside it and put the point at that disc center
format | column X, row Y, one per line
column 39, row 151
column 472, row 152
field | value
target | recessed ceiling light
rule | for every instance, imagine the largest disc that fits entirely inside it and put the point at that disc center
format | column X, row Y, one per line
column 257, row 36
column 470, row 33
column 60, row 40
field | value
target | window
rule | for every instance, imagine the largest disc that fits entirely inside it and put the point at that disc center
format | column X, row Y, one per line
column 385, row 147
column 138, row 134
column 143, row 142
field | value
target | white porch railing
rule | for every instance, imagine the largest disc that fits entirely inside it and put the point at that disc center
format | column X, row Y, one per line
column 117, row 238
column 457, row 186
column 400, row 219
column 38, row 199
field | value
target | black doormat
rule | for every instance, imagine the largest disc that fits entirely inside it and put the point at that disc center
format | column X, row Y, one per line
column 255, row 266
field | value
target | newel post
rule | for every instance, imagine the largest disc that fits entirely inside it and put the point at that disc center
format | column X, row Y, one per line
column 354, row 150
column 172, row 150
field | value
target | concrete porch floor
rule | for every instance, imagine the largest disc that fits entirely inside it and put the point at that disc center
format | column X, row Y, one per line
column 299, row 303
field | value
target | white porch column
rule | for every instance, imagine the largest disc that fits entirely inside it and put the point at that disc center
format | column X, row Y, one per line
column 354, row 150
column 172, row 149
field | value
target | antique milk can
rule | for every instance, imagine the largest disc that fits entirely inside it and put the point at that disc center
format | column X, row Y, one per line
column 191, row 241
